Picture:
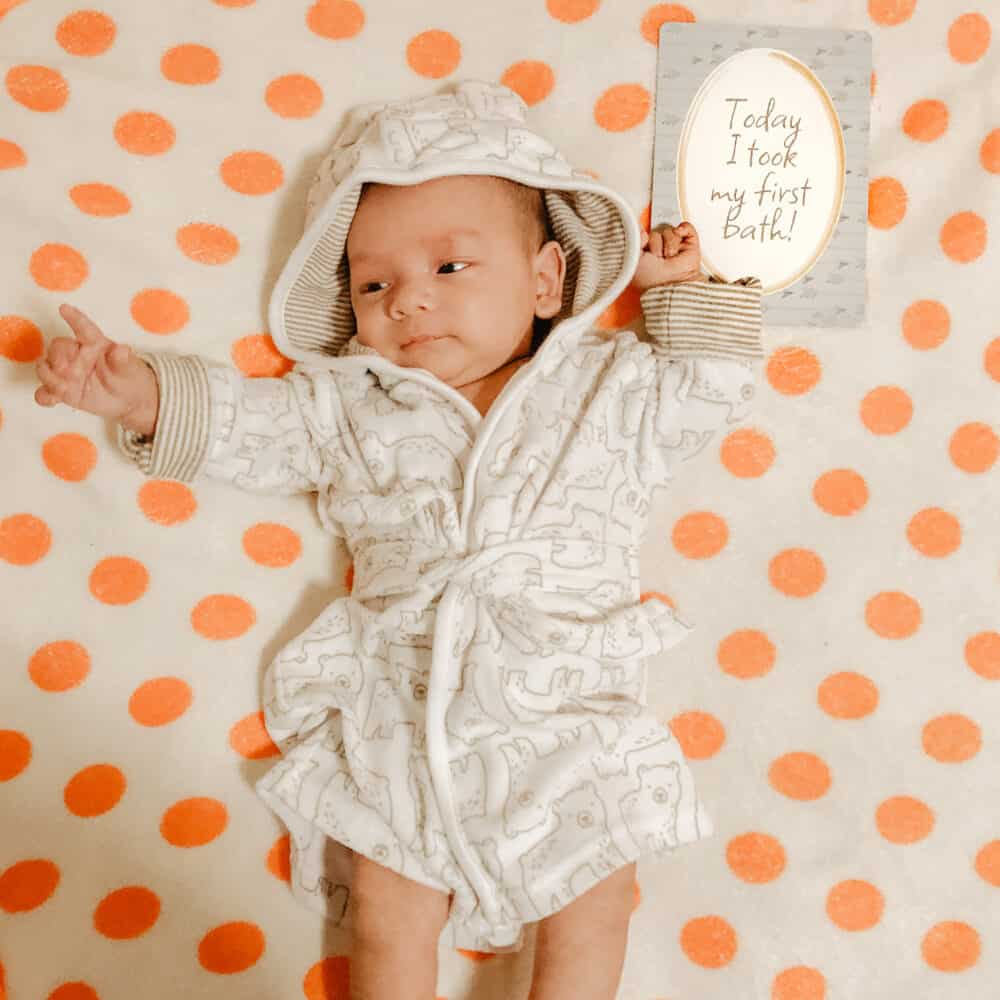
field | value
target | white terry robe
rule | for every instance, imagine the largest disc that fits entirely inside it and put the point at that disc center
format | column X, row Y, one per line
column 473, row 714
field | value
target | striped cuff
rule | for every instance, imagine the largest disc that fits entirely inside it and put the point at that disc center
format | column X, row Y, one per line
column 183, row 424
column 705, row 319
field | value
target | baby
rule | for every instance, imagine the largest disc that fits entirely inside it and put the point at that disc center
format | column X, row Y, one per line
column 465, row 741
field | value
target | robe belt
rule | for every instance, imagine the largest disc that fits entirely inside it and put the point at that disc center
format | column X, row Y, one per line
column 514, row 579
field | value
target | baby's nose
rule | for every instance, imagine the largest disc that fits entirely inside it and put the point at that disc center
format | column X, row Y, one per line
column 410, row 296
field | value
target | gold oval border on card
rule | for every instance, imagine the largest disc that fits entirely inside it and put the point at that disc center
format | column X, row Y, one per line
column 838, row 201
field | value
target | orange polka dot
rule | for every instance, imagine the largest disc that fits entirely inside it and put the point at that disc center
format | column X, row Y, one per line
column 25, row 885
column 294, row 96
column 24, row 539
column 251, row 172
column 926, row 121
column 709, row 941
column 433, row 53
column 982, row 654
column 94, row 791
column 531, row 79
column 144, row 133
column 37, row 88
column 904, row 820
column 755, row 857
column 855, row 905
column 571, row 11
column 15, row 753
column 893, row 615
column 625, row 308
column 797, row 572
column 158, row 311
column 874, row 81
column 69, row 456
column 335, row 19
column 222, row 616
column 968, row 37
column 746, row 654
column 890, row 12
column 279, row 858
column 190, row 64
column 6, row 6
column 934, row 532
column 799, row 982
column 887, row 409
column 800, row 775
column 160, row 701
column 329, row 978
column 792, row 371
column 118, row 580
column 207, row 244
column 926, row 324
column 100, row 199
column 952, row 738
column 886, row 202
column 847, row 695
column 272, row 545
column 59, row 666
column 622, row 107
column 20, row 339
column 11, row 155
column 963, row 237
column 73, row 991
column 747, row 453
column 256, row 356
column 974, row 447
column 700, row 535
column 58, row 267
column 647, row 595
column 167, row 502
column 86, row 33
column 989, row 152
column 700, row 735
column 250, row 739
column 991, row 358
column 840, row 492
column 127, row 913
column 951, row 946
column 231, row 948
column 194, row 822
column 988, row 863
column 658, row 15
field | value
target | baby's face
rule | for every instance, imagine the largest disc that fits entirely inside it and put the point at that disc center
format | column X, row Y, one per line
column 448, row 259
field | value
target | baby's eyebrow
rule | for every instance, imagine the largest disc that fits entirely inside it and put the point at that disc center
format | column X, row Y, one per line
column 445, row 241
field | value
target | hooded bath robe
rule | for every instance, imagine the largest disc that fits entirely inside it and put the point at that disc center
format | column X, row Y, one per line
column 473, row 715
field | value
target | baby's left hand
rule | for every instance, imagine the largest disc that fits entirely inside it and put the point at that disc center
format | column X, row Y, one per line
column 671, row 254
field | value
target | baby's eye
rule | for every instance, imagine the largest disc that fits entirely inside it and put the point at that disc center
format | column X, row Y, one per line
column 368, row 286
column 451, row 262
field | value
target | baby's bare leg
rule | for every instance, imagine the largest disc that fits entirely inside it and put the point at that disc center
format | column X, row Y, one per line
column 580, row 951
column 396, row 927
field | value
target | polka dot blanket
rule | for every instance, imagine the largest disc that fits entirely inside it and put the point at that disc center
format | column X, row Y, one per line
column 839, row 700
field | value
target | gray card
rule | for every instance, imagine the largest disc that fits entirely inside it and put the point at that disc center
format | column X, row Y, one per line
column 761, row 142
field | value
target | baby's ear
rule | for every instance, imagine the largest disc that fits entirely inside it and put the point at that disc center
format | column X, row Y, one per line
column 550, row 270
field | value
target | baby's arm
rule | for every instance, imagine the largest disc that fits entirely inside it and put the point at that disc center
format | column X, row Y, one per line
column 181, row 416
column 705, row 335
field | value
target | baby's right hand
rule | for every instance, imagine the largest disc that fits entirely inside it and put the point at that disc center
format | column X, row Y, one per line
column 98, row 375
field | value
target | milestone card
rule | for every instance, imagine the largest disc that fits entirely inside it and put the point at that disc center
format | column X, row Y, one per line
column 761, row 142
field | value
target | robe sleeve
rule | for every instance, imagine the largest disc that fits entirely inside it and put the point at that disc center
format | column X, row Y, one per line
column 263, row 435
column 705, row 337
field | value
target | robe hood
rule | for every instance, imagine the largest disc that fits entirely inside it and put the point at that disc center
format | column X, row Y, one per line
column 475, row 127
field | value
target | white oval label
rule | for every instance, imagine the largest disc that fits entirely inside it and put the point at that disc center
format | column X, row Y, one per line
column 760, row 168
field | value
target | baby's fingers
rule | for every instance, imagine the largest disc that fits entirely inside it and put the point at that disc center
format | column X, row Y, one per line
column 86, row 330
column 53, row 385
